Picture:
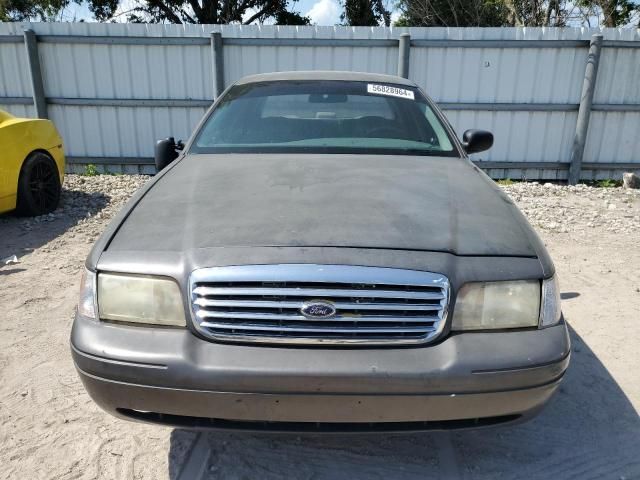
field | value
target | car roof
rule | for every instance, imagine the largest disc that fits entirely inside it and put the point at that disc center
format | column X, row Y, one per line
column 325, row 75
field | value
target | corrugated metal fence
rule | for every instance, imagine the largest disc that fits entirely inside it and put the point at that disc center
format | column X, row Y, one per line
column 113, row 89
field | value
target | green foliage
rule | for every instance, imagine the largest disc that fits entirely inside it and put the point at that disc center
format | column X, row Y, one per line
column 453, row 13
column 426, row 13
column 285, row 17
column 201, row 11
column 161, row 11
column 22, row 10
column 608, row 183
column 505, row 182
column 90, row 170
column 510, row 13
column 615, row 13
column 365, row 13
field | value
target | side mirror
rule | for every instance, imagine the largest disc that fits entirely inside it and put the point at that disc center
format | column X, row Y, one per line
column 166, row 152
column 475, row 141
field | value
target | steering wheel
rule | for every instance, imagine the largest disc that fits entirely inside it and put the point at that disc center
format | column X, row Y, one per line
column 379, row 132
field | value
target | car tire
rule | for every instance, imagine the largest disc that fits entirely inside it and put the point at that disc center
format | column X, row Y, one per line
column 38, row 186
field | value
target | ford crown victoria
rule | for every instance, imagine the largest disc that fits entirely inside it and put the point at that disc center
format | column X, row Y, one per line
column 321, row 255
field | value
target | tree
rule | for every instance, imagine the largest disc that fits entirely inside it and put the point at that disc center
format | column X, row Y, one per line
column 202, row 11
column 286, row 17
column 538, row 13
column 21, row 10
column 365, row 13
column 518, row 13
column 453, row 13
column 172, row 11
column 614, row 13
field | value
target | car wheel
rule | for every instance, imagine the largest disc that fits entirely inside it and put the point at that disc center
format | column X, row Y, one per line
column 38, row 186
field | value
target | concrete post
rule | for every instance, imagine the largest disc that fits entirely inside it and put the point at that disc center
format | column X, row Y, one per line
column 217, row 62
column 37, row 87
column 403, row 55
column 584, row 112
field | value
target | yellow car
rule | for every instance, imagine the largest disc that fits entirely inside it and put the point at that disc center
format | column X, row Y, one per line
column 31, row 165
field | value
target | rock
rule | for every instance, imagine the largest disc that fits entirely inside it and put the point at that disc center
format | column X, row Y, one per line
column 562, row 209
column 630, row 180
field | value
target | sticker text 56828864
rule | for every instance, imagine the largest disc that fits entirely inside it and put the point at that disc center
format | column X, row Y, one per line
column 391, row 91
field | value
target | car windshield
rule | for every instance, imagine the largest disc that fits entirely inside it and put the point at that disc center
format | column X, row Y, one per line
column 324, row 117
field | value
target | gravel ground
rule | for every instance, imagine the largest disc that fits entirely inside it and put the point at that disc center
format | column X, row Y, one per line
column 577, row 209
column 591, row 429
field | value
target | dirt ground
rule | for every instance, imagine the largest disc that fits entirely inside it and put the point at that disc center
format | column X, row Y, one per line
column 50, row 429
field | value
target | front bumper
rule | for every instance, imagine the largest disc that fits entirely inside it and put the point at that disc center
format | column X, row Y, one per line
column 171, row 376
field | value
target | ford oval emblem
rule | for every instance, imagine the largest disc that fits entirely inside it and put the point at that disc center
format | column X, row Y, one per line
column 318, row 309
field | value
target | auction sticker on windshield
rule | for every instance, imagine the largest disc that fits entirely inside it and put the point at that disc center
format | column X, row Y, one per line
column 391, row 91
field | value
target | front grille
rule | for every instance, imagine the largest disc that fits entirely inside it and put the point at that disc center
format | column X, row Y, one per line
column 367, row 305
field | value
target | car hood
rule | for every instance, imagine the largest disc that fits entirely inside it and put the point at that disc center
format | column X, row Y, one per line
column 356, row 201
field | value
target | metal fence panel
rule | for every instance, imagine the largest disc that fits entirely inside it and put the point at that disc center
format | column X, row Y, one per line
column 499, row 75
column 14, row 65
column 242, row 60
column 126, row 71
column 613, row 137
column 619, row 77
column 113, row 89
column 120, row 131
column 18, row 110
column 520, row 136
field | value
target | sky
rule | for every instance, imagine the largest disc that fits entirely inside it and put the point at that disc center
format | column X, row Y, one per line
column 321, row 12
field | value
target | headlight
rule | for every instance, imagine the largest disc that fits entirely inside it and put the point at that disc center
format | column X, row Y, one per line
column 87, row 300
column 494, row 305
column 550, row 312
column 140, row 299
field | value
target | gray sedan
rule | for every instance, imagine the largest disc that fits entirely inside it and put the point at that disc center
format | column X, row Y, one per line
column 321, row 255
